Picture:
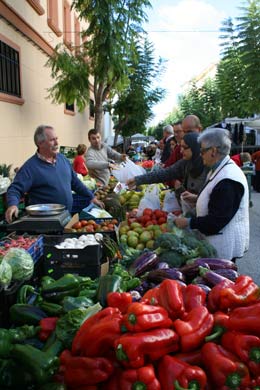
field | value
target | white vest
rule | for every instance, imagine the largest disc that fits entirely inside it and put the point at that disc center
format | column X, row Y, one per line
column 233, row 240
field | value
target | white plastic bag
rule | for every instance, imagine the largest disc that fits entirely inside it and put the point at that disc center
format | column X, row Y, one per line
column 170, row 202
column 188, row 208
column 127, row 170
column 150, row 199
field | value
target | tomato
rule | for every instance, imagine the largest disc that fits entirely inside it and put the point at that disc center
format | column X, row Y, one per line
column 76, row 225
column 158, row 213
column 146, row 218
column 148, row 212
column 162, row 220
column 84, row 222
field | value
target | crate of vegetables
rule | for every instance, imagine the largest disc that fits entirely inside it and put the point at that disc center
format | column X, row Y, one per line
column 32, row 244
column 70, row 253
column 78, row 224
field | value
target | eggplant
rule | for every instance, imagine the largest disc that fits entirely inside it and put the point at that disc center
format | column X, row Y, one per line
column 211, row 277
column 228, row 273
column 204, row 287
column 143, row 263
column 159, row 275
column 191, row 270
column 162, row 265
column 214, row 263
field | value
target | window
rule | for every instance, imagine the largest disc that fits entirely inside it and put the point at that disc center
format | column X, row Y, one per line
column 10, row 82
column 91, row 108
column 67, row 24
column 69, row 109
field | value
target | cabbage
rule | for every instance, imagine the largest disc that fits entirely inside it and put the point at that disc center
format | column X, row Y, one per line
column 5, row 274
column 21, row 263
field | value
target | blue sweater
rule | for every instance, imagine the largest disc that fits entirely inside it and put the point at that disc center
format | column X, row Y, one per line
column 46, row 183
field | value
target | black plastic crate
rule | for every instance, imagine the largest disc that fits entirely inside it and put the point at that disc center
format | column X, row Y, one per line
column 83, row 262
column 8, row 298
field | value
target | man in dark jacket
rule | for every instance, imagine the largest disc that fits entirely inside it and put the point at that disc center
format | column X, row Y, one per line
column 167, row 135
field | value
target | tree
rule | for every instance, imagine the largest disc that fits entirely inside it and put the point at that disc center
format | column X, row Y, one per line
column 133, row 108
column 249, row 48
column 113, row 27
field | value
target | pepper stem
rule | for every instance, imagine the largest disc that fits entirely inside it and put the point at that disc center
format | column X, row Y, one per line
column 217, row 332
column 132, row 318
column 139, row 386
column 254, row 355
column 120, row 353
column 193, row 385
column 233, row 380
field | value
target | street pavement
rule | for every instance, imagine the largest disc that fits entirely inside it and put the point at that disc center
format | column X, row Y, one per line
column 249, row 264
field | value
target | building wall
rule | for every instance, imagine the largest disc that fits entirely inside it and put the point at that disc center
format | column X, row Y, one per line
column 18, row 121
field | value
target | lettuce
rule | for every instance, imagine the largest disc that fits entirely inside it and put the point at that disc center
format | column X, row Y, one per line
column 5, row 274
column 21, row 263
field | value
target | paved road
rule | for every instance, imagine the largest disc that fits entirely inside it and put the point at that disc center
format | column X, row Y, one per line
column 250, row 263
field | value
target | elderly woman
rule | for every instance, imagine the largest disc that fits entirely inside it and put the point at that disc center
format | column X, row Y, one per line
column 222, row 205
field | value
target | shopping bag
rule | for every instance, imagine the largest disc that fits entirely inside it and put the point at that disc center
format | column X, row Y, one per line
column 150, row 199
column 127, row 170
column 170, row 202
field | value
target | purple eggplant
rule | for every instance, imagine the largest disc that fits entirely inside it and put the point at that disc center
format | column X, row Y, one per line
column 198, row 280
column 191, row 270
column 228, row 273
column 162, row 265
column 214, row 263
column 158, row 275
column 143, row 263
column 204, row 287
column 211, row 277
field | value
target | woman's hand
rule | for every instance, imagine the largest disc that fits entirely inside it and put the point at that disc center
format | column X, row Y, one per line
column 131, row 184
column 188, row 196
column 181, row 222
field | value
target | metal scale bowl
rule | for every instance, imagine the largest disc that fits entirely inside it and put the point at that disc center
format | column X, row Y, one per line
column 42, row 218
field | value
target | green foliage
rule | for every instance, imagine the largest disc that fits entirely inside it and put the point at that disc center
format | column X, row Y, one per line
column 134, row 105
column 112, row 26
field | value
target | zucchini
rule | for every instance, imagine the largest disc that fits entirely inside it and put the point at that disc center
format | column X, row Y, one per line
column 26, row 314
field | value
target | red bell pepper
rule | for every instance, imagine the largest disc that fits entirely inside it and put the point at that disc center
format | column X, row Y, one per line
column 84, row 371
column 192, row 331
column 133, row 349
column 140, row 317
column 120, row 300
column 98, row 338
column 193, row 296
column 220, row 325
column 214, row 295
column 246, row 347
column 79, row 338
column 171, row 298
column 139, row 379
column 193, row 357
column 243, row 292
column 245, row 319
column 151, row 296
column 47, row 326
column 223, row 368
column 175, row 374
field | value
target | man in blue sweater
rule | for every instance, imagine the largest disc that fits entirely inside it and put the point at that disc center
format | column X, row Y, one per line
column 47, row 177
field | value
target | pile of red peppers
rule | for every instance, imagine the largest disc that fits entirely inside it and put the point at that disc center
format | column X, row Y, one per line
column 175, row 338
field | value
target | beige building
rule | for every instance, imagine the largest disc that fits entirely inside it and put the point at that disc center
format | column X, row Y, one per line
column 29, row 31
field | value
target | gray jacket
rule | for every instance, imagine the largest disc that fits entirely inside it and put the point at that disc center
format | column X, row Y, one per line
column 97, row 161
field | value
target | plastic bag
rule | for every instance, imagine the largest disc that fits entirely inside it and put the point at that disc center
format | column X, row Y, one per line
column 127, row 170
column 150, row 199
column 170, row 202
column 188, row 208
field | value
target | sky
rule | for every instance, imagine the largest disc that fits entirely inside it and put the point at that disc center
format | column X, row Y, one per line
column 186, row 34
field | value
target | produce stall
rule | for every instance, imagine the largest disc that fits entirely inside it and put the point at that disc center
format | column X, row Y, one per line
column 125, row 301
